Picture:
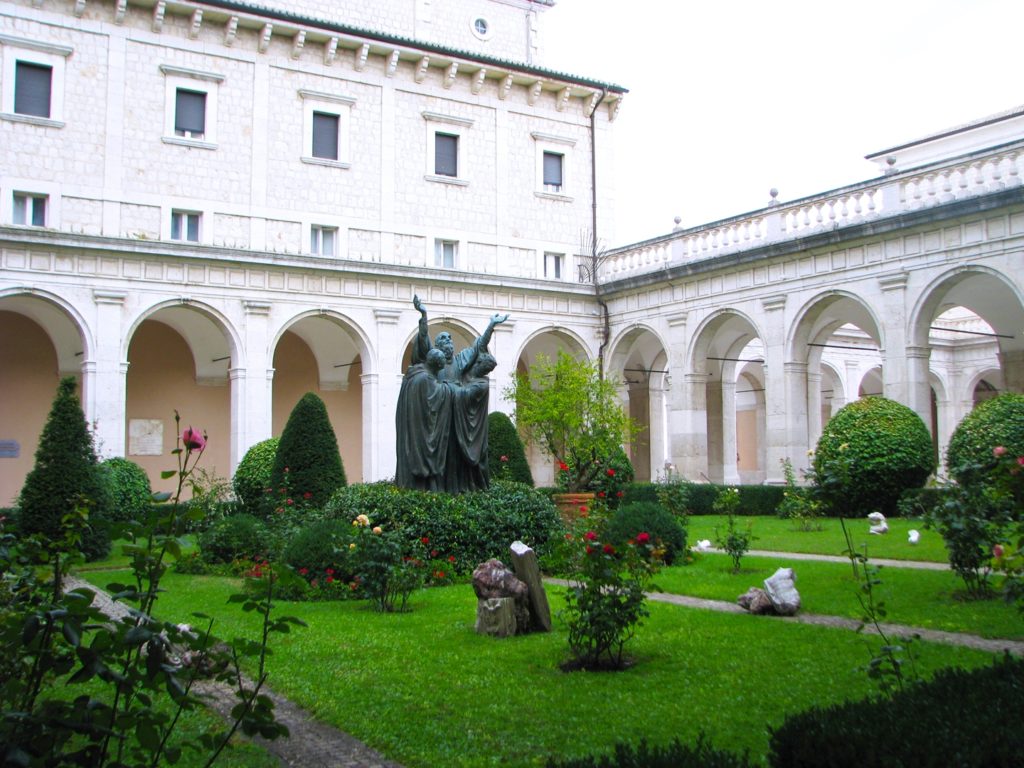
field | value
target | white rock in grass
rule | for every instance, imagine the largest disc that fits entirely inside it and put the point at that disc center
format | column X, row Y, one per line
column 913, row 536
column 781, row 590
column 878, row 524
column 703, row 545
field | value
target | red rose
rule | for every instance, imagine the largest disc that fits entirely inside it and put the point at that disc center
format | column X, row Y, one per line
column 329, row 571
column 451, row 558
column 425, row 540
column 643, row 537
column 589, row 535
column 307, row 495
column 590, row 550
column 583, row 508
column 303, row 571
column 610, row 472
column 609, row 549
column 330, row 579
column 600, row 494
column 563, row 466
column 620, row 494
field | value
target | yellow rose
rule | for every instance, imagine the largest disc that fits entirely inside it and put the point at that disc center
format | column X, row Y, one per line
column 352, row 545
column 377, row 530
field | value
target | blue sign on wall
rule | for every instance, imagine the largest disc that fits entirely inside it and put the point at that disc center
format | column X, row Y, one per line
column 9, row 449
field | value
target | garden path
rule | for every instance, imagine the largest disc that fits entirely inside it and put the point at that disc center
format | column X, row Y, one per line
column 312, row 744
column 921, row 564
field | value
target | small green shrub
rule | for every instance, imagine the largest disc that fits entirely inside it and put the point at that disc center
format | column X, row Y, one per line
column 252, row 477
column 672, row 755
column 307, row 464
column 734, row 541
column 129, row 489
column 241, row 537
column 666, row 530
column 387, row 569
column 506, row 456
column 320, row 551
column 966, row 718
column 999, row 421
column 871, row 451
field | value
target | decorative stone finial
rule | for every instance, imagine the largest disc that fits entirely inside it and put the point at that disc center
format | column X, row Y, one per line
column 774, row 195
column 679, row 223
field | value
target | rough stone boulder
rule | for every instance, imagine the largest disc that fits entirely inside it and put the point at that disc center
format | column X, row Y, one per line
column 493, row 579
column 781, row 590
column 756, row 601
column 502, row 600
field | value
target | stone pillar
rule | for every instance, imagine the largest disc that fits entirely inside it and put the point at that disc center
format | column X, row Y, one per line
column 714, row 426
column 380, row 398
column 677, row 427
column 504, row 347
column 690, row 447
column 797, row 397
column 904, row 368
column 252, row 393
column 919, row 388
column 104, row 376
column 730, row 470
column 657, row 433
column 814, row 406
column 1012, row 363
column 775, row 390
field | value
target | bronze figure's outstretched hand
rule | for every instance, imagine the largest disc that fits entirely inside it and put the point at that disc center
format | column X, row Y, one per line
column 419, row 305
column 498, row 319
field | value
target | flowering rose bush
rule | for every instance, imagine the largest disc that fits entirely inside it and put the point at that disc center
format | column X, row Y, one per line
column 388, row 570
column 605, row 602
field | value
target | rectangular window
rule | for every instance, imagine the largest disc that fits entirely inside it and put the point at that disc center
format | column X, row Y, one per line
column 325, row 135
column 32, row 89
column 553, row 265
column 185, row 226
column 553, row 171
column 190, row 113
column 29, row 210
column 446, row 154
column 445, row 252
column 322, row 240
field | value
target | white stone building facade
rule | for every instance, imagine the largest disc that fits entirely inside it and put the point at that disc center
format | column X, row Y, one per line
column 218, row 207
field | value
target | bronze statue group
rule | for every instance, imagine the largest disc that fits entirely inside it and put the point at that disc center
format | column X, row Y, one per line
column 441, row 416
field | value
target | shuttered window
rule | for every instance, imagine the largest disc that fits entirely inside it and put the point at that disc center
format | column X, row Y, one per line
column 325, row 135
column 553, row 169
column 190, row 113
column 446, row 154
column 32, row 89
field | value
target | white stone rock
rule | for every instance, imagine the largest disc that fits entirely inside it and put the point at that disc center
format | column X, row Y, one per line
column 781, row 590
column 878, row 524
column 913, row 536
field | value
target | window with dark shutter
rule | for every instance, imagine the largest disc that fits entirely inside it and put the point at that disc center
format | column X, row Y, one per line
column 325, row 135
column 553, row 169
column 32, row 89
column 190, row 113
column 446, row 154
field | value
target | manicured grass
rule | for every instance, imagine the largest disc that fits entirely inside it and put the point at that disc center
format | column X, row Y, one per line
column 780, row 535
column 919, row 598
column 426, row 690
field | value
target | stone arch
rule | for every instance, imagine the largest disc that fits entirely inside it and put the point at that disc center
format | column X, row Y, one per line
column 715, row 362
column 329, row 354
column 179, row 355
column 42, row 339
column 639, row 359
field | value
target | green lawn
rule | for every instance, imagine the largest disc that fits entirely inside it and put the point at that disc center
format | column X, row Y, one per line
column 426, row 690
column 920, row 598
column 780, row 535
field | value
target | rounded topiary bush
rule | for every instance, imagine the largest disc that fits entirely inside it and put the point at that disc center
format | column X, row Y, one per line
column 999, row 421
column 238, row 537
column 129, row 489
column 503, row 442
column 871, row 451
column 650, row 517
column 252, row 478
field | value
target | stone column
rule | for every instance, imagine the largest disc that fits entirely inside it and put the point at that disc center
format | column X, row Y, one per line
column 775, row 390
column 504, row 347
column 919, row 389
column 104, row 377
column 677, row 425
column 252, row 385
column 797, row 441
column 380, row 398
column 657, row 432
column 904, row 368
column 690, row 447
column 813, row 410
column 1012, row 363
column 730, row 469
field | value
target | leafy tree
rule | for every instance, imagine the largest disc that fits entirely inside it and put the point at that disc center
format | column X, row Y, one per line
column 506, row 456
column 871, row 451
column 252, row 478
column 66, row 477
column 573, row 414
column 308, row 465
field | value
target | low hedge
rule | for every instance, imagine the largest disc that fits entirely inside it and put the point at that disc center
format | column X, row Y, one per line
column 966, row 718
column 754, row 499
column 665, row 529
column 471, row 527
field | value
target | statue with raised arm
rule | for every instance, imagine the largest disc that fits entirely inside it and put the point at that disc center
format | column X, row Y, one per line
column 441, row 417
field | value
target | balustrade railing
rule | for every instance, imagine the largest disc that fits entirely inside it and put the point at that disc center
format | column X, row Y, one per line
column 885, row 196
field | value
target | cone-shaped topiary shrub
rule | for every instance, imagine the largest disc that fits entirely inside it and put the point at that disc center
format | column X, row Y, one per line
column 871, row 451
column 66, row 476
column 308, row 465
column 252, row 478
column 503, row 441
column 130, row 491
column 999, row 421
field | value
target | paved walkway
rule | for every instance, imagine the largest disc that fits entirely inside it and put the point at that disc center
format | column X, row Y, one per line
column 921, row 564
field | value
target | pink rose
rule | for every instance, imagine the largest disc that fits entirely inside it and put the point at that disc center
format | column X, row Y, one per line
column 192, row 440
column 999, row 450
column 998, row 551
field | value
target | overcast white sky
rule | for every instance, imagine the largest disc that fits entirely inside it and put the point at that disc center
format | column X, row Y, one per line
column 729, row 98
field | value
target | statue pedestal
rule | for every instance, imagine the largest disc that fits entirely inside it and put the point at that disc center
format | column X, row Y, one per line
column 569, row 505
